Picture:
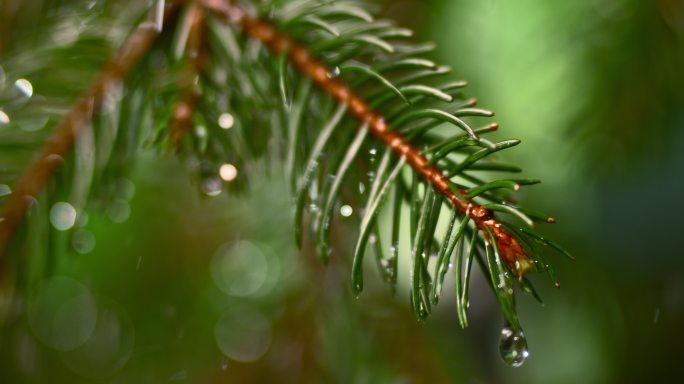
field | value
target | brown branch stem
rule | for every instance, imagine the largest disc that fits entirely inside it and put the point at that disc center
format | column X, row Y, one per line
column 300, row 58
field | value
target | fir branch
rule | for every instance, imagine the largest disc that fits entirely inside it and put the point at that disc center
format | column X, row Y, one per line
column 389, row 99
column 301, row 58
column 48, row 160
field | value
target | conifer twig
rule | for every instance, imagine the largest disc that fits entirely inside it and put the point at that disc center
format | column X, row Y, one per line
column 300, row 58
column 36, row 175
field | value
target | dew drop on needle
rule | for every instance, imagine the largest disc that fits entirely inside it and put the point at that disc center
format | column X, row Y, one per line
column 513, row 347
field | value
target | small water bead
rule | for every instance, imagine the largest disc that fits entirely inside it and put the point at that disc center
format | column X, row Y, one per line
column 346, row 211
column 62, row 313
column 394, row 249
column 5, row 190
column 118, row 210
column 201, row 131
column 109, row 346
column 358, row 288
column 228, row 172
column 124, row 189
column 241, row 269
column 513, row 347
column 4, row 118
column 211, row 186
column 63, row 216
column 313, row 207
column 83, row 241
column 24, row 86
column 334, row 73
column 243, row 334
column 226, row 121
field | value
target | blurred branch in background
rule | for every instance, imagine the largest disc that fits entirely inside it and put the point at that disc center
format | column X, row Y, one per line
column 35, row 177
column 596, row 86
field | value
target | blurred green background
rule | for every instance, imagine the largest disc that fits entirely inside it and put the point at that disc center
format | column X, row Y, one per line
column 170, row 286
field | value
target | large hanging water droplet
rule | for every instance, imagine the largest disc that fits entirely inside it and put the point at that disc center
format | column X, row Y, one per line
column 513, row 347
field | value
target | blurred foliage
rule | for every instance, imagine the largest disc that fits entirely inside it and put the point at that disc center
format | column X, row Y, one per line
column 593, row 86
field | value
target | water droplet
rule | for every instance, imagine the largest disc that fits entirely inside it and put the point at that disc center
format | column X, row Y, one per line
column 372, row 239
column 243, row 334
column 394, row 250
column 226, row 121
column 224, row 363
column 109, row 347
column 240, row 269
column 83, row 241
column 25, row 87
column 373, row 151
column 5, row 190
column 513, row 347
column 62, row 313
column 346, row 211
column 119, row 211
column 362, row 188
column 4, row 119
column 125, row 189
column 334, row 73
column 422, row 311
column 211, row 186
column 358, row 287
column 228, row 172
column 63, row 216
column 201, row 131
column 313, row 207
